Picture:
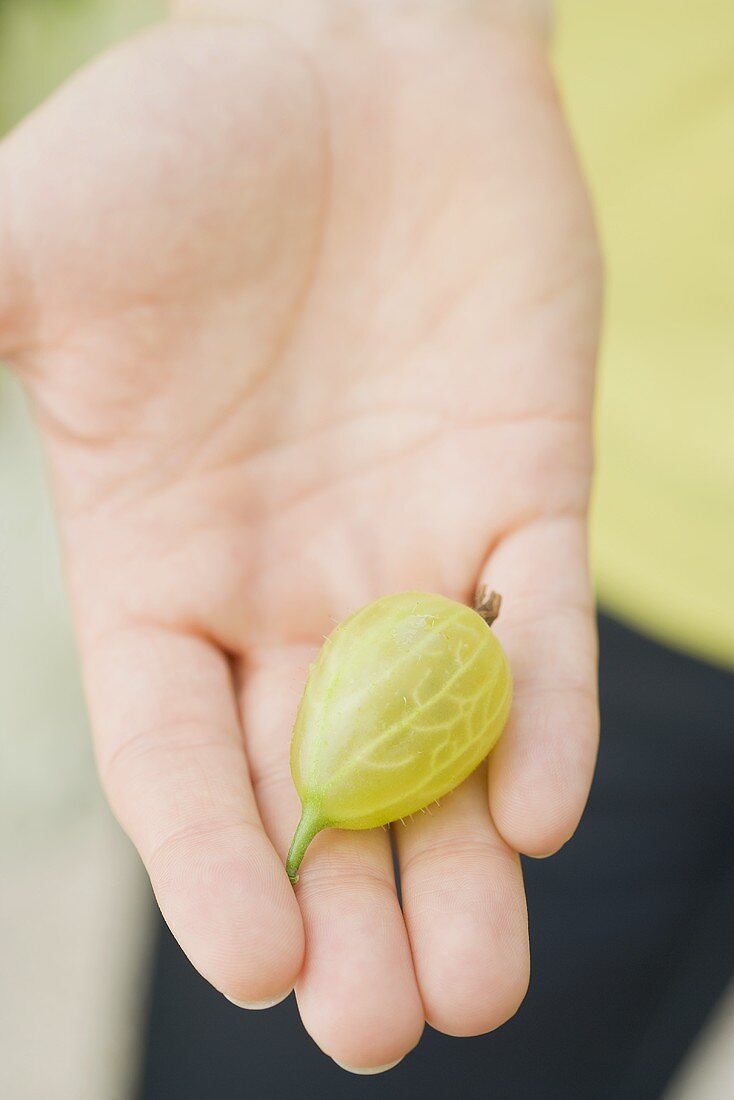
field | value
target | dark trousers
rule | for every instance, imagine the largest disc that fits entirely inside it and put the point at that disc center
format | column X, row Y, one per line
column 632, row 931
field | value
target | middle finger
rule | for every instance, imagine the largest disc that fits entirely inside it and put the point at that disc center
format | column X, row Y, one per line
column 357, row 992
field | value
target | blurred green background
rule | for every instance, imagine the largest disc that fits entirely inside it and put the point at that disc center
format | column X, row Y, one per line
column 42, row 41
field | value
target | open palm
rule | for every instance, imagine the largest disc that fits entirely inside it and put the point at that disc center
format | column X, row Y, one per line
column 308, row 316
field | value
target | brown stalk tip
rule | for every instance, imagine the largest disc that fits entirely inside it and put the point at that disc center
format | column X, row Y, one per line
column 487, row 603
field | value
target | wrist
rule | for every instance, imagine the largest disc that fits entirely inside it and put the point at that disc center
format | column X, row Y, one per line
column 530, row 16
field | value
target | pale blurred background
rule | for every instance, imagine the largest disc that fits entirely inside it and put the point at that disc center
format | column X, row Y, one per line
column 75, row 909
column 74, row 905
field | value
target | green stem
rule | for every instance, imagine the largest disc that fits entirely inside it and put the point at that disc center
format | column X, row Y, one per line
column 309, row 825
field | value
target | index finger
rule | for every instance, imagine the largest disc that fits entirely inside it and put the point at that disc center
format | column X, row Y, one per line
column 172, row 761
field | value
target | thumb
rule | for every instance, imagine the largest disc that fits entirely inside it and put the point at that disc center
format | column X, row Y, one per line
column 16, row 297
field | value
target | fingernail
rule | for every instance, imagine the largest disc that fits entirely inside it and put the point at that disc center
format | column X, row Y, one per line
column 258, row 1005
column 367, row 1071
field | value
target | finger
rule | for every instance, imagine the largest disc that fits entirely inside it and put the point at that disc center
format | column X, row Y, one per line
column 541, row 770
column 464, row 906
column 172, row 762
column 357, row 993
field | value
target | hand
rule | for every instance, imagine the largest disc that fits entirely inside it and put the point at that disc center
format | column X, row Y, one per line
column 307, row 312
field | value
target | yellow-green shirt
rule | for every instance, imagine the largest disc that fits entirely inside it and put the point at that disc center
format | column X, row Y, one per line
column 649, row 89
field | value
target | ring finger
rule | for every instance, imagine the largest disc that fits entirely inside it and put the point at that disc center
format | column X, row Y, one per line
column 464, row 906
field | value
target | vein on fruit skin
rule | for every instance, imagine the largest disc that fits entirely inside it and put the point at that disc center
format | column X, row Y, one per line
column 403, row 722
column 463, row 774
column 355, row 700
column 410, row 653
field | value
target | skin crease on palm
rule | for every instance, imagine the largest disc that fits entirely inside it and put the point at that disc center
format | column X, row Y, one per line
column 306, row 305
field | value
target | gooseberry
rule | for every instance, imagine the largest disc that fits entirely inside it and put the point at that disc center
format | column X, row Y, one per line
column 404, row 701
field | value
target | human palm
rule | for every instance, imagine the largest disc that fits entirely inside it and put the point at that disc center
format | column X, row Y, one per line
column 307, row 319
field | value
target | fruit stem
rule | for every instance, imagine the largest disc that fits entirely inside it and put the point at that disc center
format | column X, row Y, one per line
column 487, row 603
column 309, row 825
